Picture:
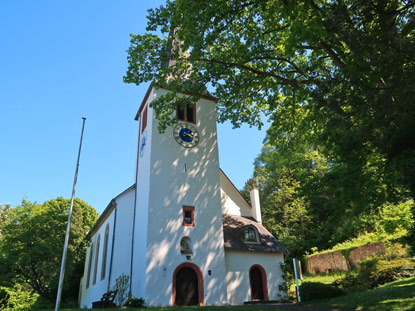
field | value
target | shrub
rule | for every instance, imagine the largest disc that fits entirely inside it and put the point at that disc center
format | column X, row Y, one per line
column 135, row 303
column 18, row 297
column 381, row 277
column 121, row 285
column 315, row 290
column 352, row 283
column 376, row 271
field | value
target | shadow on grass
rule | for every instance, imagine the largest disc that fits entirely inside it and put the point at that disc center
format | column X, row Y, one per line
column 394, row 296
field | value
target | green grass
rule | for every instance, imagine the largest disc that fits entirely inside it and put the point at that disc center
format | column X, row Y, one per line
column 321, row 278
column 395, row 296
column 326, row 278
column 222, row 308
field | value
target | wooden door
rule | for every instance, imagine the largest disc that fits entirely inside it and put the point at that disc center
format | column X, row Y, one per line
column 186, row 287
column 257, row 289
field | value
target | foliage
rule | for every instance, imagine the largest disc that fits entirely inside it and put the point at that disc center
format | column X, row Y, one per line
column 32, row 245
column 309, row 203
column 314, row 290
column 135, row 302
column 393, row 265
column 336, row 75
column 377, row 271
column 391, row 222
column 121, row 285
column 18, row 297
column 284, row 287
column 395, row 218
column 394, row 296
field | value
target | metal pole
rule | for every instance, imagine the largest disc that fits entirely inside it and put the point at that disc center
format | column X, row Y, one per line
column 68, row 227
column 296, row 280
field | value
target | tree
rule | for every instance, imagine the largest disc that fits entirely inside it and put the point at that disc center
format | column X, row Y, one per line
column 32, row 245
column 348, row 65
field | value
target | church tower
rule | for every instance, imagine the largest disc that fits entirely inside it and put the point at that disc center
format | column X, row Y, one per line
column 178, row 244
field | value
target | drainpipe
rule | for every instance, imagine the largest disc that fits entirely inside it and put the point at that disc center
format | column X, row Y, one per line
column 135, row 205
column 112, row 245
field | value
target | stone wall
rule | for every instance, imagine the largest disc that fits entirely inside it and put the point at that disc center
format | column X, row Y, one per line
column 326, row 263
column 337, row 261
column 362, row 252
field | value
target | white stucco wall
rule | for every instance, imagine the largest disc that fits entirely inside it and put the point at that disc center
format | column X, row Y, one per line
column 238, row 264
column 123, row 233
column 94, row 291
column 185, row 176
column 121, row 255
column 138, row 277
column 232, row 201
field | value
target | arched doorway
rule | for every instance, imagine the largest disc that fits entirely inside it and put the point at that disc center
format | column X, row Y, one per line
column 258, row 283
column 187, row 285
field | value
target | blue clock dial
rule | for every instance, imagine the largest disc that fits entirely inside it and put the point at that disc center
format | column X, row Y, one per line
column 186, row 135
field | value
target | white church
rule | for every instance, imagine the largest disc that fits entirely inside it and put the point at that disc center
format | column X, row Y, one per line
column 182, row 233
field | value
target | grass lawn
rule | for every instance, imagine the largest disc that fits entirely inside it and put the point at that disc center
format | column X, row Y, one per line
column 394, row 296
column 225, row 308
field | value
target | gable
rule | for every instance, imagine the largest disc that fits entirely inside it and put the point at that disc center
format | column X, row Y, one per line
column 232, row 201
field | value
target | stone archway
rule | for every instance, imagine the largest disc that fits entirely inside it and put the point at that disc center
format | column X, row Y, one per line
column 258, row 283
column 187, row 285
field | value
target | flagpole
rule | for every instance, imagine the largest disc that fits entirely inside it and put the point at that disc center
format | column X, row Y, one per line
column 68, row 227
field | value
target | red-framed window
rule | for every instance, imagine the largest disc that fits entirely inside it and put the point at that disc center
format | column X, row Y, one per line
column 188, row 216
column 144, row 120
column 187, row 113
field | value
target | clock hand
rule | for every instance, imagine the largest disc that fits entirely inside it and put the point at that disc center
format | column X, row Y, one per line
column 187, row 134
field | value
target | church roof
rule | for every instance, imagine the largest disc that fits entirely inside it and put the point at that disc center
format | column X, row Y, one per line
column 105, row 214
column 233, row 232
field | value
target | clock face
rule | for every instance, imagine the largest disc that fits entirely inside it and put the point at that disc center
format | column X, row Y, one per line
column 143, row 143
column 186, row 135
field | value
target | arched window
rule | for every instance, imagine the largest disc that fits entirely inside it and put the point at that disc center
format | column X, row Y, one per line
column 104, row 252
column 91, row 253
column 96, row 260
column 251, row 235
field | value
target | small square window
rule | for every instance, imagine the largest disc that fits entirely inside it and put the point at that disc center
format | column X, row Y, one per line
column 188, row 216
column 187, row 113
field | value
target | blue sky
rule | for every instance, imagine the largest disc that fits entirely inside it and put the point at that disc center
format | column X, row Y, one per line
column 64, row 60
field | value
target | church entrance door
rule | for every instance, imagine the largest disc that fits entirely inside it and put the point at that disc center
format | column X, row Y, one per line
column 258, row 282
column 187, row 285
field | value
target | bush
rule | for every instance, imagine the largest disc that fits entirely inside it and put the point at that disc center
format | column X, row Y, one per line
column 381, row 277
column 18, row 297
column 121, row 286
column 376, row 271
column 315, row 290
column 135, row 303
